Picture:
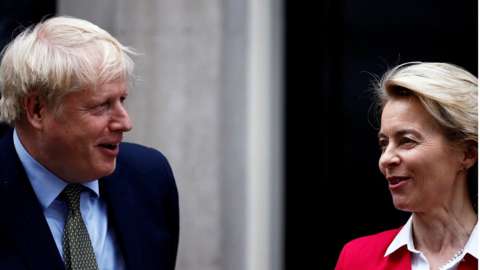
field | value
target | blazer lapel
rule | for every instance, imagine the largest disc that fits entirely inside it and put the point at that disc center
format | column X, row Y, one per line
column 468, row 263
column 121, row 213
column 400, row 260
column 24, row 219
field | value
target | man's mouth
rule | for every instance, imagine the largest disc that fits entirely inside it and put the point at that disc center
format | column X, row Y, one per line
column 109, row 146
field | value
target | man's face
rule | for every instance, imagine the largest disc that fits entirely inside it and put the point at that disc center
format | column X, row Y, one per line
column 80, row 141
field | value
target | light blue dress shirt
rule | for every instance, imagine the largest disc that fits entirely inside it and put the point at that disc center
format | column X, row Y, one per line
column 48, row 187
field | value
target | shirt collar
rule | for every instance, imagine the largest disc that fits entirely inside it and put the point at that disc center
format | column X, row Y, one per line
column 405, row 237
column 46, row 185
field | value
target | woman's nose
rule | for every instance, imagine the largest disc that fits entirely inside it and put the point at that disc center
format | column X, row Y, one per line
column 388, row 159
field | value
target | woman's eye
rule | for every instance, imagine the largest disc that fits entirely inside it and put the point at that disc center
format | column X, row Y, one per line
column 407, row 142
column 382, row 144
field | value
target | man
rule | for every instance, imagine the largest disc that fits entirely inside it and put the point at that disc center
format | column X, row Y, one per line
column 72, row 195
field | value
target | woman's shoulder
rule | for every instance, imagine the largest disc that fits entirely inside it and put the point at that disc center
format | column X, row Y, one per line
column 367, row 252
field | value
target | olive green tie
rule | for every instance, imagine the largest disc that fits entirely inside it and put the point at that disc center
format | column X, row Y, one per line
column 77, row 248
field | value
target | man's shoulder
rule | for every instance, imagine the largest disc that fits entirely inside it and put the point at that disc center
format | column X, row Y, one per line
column 134, row 147
column 141, row 158
column 139, row 153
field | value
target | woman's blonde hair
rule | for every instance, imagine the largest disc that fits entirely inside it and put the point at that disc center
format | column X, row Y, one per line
column 58, row 56
column 448, row 93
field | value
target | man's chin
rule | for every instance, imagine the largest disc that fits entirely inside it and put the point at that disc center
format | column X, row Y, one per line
column 101, row 171
column 107, row 170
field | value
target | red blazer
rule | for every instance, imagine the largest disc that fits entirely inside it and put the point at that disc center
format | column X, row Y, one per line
column 367, row 253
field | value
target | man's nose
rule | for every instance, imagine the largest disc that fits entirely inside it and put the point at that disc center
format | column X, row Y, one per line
column 120, row 119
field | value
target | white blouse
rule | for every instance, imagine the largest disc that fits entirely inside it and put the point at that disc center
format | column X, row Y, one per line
column 419, row 261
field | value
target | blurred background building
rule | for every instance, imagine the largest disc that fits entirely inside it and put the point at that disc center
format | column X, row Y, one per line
column 263, row 108
column 208, row 96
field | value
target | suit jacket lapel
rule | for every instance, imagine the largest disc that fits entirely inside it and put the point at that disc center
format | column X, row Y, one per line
column 25, row 221
column 122, row 214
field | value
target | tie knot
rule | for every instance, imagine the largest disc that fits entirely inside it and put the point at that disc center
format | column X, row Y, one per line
column 71, row 195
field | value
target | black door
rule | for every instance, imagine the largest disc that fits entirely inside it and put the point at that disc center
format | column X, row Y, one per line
column 333, row 188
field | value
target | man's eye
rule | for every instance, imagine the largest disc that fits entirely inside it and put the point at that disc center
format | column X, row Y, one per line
column 104, row 105
column 101, row 107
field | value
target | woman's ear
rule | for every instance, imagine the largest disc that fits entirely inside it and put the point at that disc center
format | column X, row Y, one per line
column 470, row 154
column 35, row 109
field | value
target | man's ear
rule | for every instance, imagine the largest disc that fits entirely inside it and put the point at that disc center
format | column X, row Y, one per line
column 35, row 110
column 470, row 154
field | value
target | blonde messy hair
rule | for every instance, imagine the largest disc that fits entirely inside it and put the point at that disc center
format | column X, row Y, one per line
column 56, row 57
column 447, row 92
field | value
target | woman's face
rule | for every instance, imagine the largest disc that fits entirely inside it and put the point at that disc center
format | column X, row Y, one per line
column 422, row 168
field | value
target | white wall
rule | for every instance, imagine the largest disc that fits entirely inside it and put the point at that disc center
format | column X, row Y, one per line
column 212, row 107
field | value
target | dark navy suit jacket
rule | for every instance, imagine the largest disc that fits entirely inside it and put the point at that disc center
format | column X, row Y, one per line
column 142, row 201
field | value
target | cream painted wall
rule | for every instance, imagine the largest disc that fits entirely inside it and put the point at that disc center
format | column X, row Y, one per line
column 193, row 101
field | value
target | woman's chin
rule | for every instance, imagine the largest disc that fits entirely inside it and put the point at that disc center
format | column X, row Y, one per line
column 402, row 204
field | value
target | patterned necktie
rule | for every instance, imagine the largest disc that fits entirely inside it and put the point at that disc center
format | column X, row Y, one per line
column 77, row 248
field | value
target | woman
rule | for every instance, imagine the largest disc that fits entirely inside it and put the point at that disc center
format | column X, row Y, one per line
column 428, row 138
